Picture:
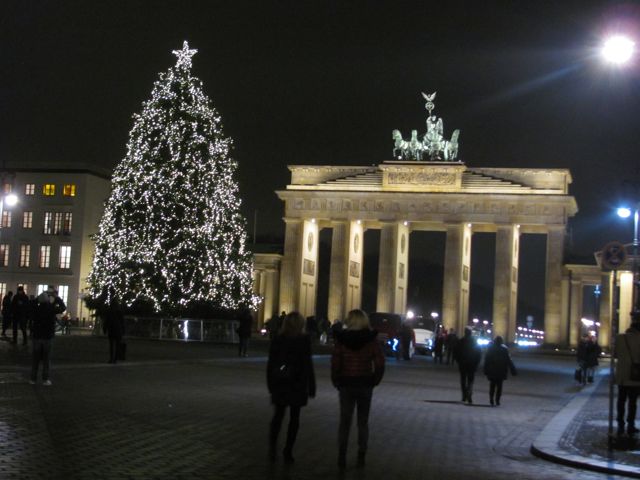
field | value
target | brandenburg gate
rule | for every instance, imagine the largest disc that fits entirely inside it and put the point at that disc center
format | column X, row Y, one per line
column 424, row 188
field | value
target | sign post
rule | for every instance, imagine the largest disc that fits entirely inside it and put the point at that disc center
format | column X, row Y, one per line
column 614, row 254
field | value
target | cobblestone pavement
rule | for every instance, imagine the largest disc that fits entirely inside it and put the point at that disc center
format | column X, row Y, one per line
column 197, row 411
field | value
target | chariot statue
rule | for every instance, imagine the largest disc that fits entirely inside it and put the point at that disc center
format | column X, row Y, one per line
column 433, row 147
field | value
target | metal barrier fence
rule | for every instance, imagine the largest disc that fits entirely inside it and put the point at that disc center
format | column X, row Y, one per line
column 185, row 329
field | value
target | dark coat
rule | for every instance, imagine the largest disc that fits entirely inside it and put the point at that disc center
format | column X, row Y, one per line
column 497, row 362
column 357, row 359
column 20, row 306
column 114, row 322
column 467, row 354
column 44, row 322
column 300, row 384
column 244, row 327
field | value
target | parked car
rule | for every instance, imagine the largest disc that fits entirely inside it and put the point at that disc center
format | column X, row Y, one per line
column 389, row 327
column 424, row 330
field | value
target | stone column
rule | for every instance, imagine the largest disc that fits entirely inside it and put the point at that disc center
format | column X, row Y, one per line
column 353, row 299
column 554, row 334
column 393, row 270
column 338, row 271
column 308, row 285
column 290, row 267
column 605, row 310
column 505, row 290
column 576, row 312
column 457, row 277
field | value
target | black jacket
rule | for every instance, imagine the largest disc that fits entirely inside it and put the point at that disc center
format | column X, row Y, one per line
column 497, row 362
column 467, row 353
column 292, row 357
column 44, row 322
column 20, row 306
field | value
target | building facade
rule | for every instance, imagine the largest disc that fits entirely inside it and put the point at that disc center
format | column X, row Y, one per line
column 45, row 239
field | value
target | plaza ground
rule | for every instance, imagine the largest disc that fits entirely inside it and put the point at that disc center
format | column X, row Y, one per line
column 176, row 410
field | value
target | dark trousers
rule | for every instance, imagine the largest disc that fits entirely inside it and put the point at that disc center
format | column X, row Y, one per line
column 350, row 398
column 114, row 345
column 627, row 395
column 292, row 430
column 466, row 383
column 242, row 346
column 450, row 359
column 41, row 352
column 22, row 324
column 6, row 323
column 495, row 390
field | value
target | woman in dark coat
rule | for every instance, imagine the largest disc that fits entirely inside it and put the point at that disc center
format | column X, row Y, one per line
column 497, row 363
column 290, row 379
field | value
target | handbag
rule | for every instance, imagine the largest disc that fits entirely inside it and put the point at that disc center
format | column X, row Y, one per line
column 634, row 371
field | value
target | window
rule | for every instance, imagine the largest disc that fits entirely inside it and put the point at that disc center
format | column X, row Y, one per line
column 69, row 190
column 7, row 188
column 57, row 223
column 4, row 254
column 48, row 223
column 45, row 256
column 24, row 285
column 65, row 256
column 27, row 219
column 63, row 292
column 6, row 219
column 25, row 255
column 66, row 223
column 3, row 289
column 30, row 189
column 48, row 189
column 41, row 288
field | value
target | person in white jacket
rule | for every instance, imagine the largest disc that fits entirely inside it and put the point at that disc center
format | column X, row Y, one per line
column 628, row 353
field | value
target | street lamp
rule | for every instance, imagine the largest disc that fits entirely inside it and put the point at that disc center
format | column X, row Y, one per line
column 625, row 212
column 618, row 49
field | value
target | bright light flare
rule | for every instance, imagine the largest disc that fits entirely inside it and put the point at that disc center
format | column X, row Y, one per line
column 624, row 212
column 618, row 49
column 10, row 200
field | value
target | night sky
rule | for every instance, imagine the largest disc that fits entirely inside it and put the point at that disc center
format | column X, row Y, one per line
column 326, row 83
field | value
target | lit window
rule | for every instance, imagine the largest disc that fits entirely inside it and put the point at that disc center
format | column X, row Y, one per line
column 24, row 286
column 63, row 292
column 69, row 190
column 4, row 254
column 45, row 256
column 27, row 219
column 41, row 288
column 30, row 189
column 25, row 255
column 7, row 188
column 65, row 256
column 6, row 219
column 48, row 189
column 66, row 225
column 3, row 289
column 57, row 223
column 48, row 223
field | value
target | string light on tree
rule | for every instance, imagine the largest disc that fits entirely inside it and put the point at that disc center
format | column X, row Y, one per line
column 172, row 234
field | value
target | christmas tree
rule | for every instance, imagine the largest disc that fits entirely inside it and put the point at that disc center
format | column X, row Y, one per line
column 172, row 236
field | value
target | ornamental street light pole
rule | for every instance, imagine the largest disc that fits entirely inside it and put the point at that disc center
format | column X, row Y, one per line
column 625, row 212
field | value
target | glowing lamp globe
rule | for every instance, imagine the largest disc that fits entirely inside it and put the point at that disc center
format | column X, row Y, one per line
column 11, row 200
column 618, row 49
column 624, row 212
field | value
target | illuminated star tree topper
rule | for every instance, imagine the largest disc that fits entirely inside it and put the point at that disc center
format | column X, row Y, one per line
column 172, row 237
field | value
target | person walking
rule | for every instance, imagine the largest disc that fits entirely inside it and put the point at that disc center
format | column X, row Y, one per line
column 468, row 355
column 628, row 354
column 450, row 345
column 6, row 312
column 497, row 362
column 290, row 380
column 244, row 332
column 581, row 357
column 20, row 314
column 592, row 355
column 113, row 326
column 357, row 366
column 43, row 331
column 438, row 346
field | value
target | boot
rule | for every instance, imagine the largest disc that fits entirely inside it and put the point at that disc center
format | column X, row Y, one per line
column 342, row 459
column 288, row 455
column 361, row 456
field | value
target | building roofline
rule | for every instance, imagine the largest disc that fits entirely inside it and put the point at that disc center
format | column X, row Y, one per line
column 101, row 173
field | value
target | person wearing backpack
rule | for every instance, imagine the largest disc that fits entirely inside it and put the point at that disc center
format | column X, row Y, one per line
column 290, row 380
